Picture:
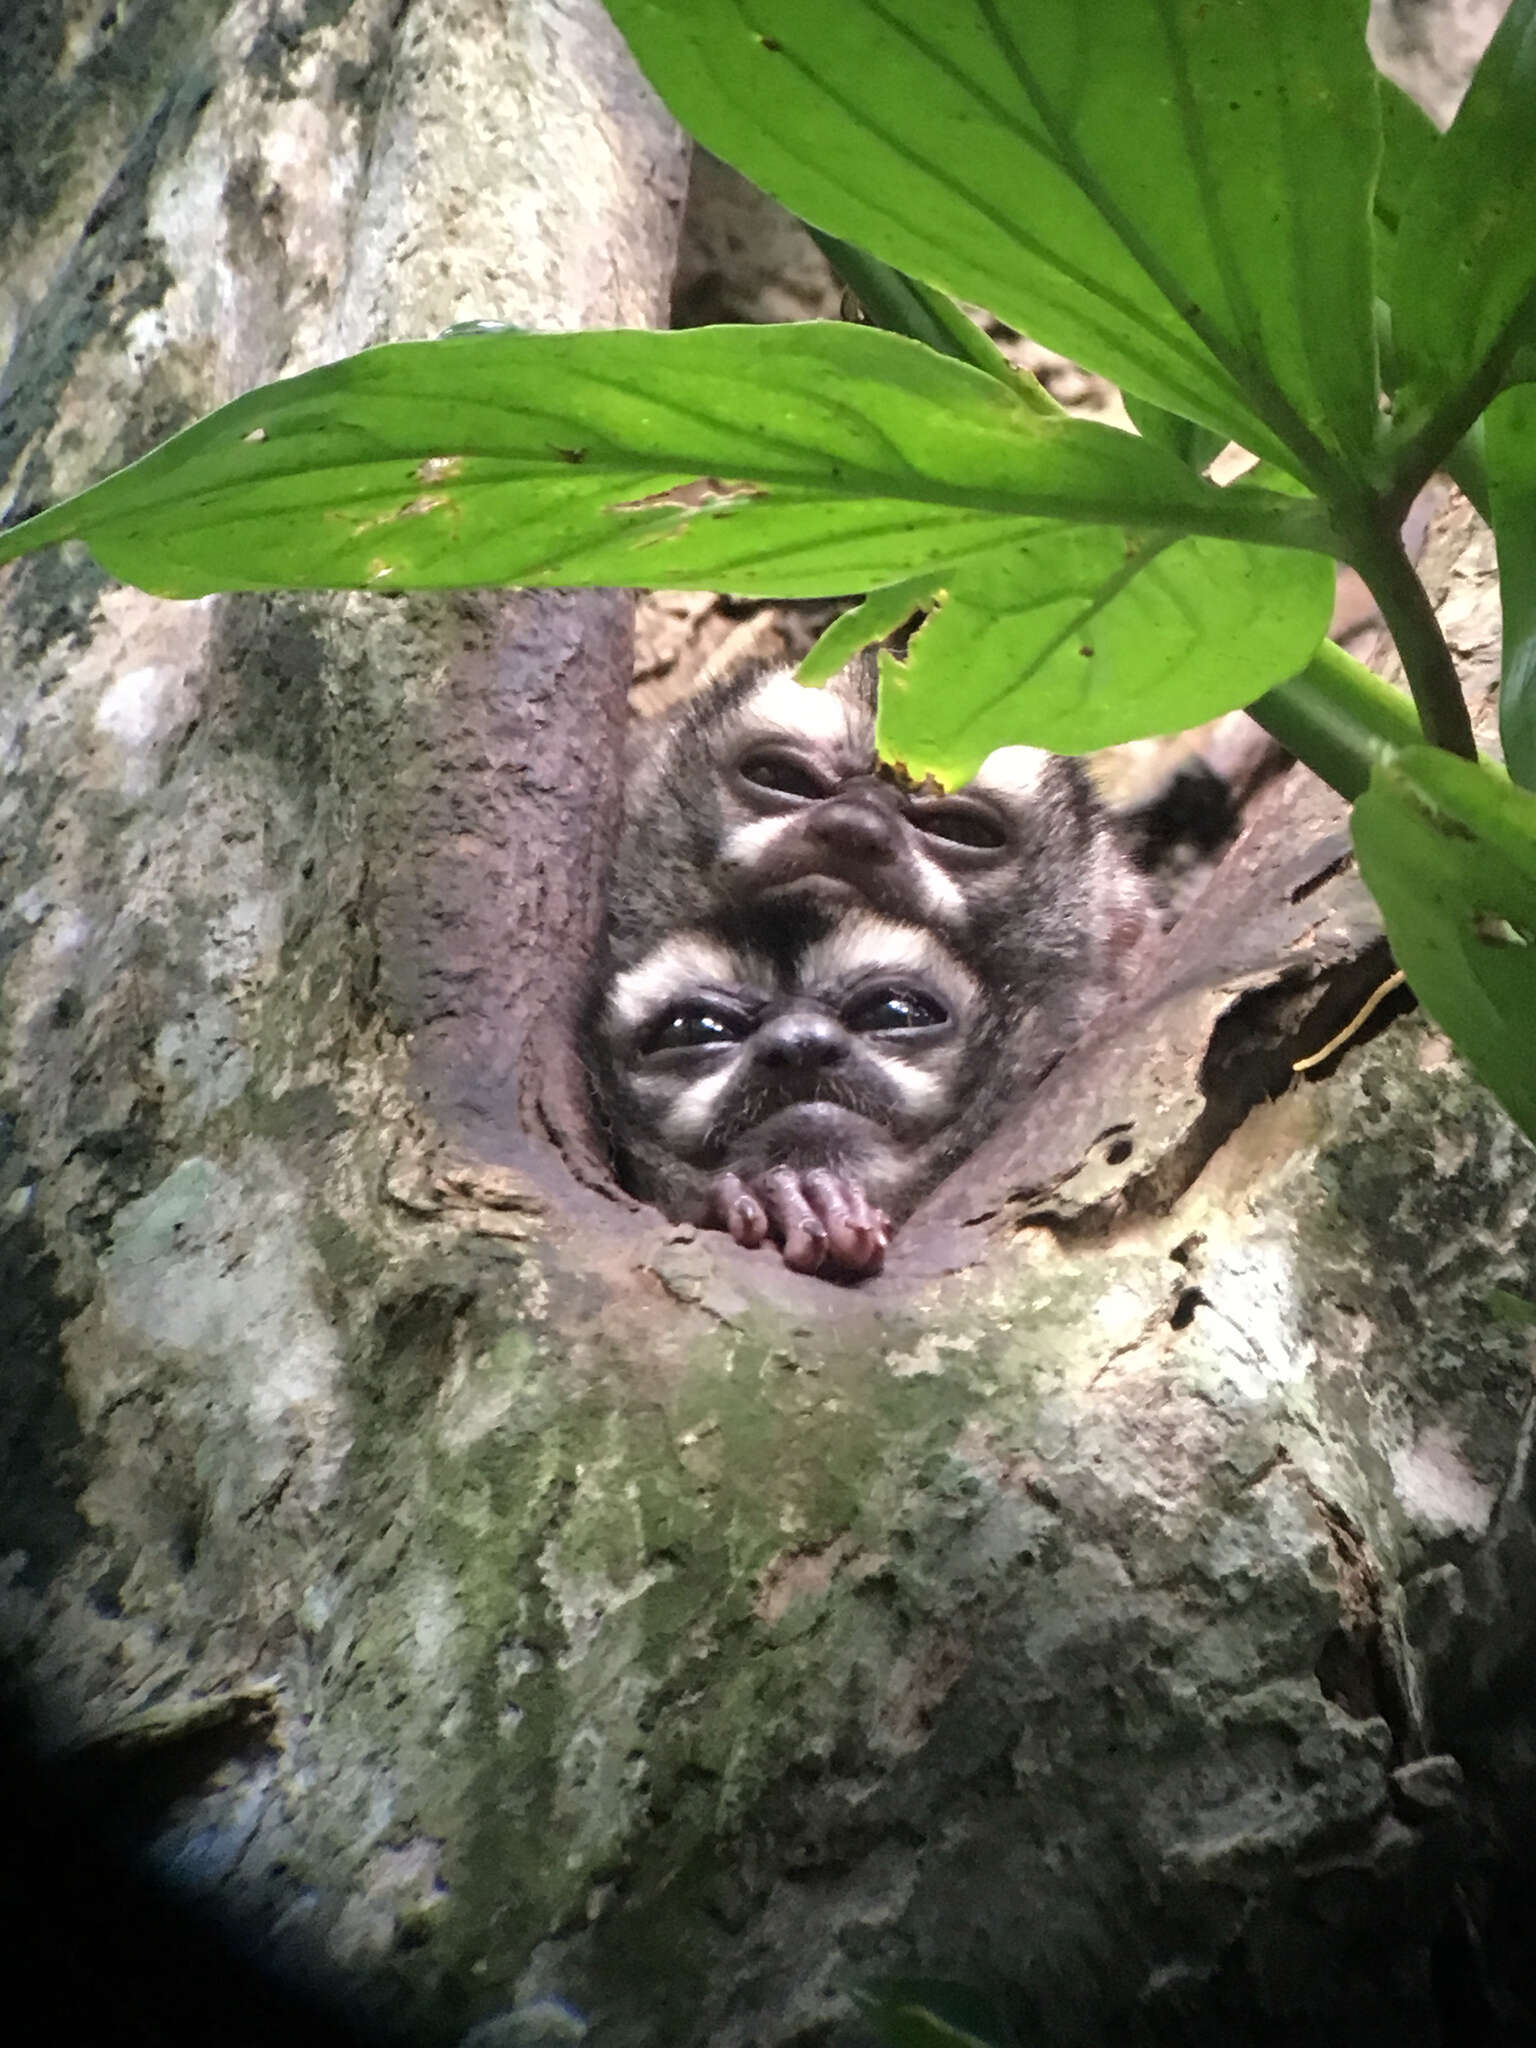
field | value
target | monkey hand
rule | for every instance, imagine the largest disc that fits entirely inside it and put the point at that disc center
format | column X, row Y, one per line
column 821, row 1220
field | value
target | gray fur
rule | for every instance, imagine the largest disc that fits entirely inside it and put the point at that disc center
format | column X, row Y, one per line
column 758, row 818
column 810, row 1083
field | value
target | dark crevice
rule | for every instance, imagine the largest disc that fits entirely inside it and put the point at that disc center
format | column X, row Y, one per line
column 1354, row 1669
column 1460, row 1988
column 1183, row 1311
column 1312, row 883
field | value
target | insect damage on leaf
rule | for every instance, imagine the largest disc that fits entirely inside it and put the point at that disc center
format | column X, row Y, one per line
column 704, row 494
column 1494, row 930
column 414, row 508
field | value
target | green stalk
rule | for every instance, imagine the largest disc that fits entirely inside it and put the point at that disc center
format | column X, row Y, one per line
column 904, row 305
column 1337, row 716
column 1379, row 555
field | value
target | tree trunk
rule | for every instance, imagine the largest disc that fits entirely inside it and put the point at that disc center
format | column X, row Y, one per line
column 507, row 1611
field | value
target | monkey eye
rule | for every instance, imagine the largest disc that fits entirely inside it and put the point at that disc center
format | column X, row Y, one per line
column 688, row 1025
column 959, row 820
column 894, row 1009
column 783, row 773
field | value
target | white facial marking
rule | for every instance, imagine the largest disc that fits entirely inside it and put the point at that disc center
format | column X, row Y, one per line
column 943, row 898
column 743, row 850
column 744, row 847
column 917, row 1090
column 693, row 1109
column 800, row 711
column 679, row 964
column 863, row 941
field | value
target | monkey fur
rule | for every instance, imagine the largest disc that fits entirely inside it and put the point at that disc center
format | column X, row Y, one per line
column 792, row 1071
column 821, row 988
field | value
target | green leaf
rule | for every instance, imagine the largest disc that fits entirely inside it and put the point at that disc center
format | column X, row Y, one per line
column 1172, row 192
column 796, row 461
column 880, row 613
column 1408, row 142
column 1509, row 448
column 904, row 306
column 1195, row 446
column 923, row 2012
column 1086, row 637
column 1465, row 263
column 1448, row 848
column 1467, row 468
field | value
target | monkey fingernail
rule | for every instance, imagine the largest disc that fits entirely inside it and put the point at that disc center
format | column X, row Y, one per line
column 805, row 1247
column 747, row 1223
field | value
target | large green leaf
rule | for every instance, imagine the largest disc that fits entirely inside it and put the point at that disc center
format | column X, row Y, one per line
column 1408, row 142
column 1407, row 137
column 879, row 614
column 1142, row 623
column 1173, row 192
column 804, row 460
column 1196, row 447
column 1464, row 268
column 1509, row 443
column 902, row 305
column 1083, row 639
column 1449, row 850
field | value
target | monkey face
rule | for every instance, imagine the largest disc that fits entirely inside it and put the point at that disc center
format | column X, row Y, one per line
column 805, row 1039
column 820, row 986
column 803, row 808
column 759, row 790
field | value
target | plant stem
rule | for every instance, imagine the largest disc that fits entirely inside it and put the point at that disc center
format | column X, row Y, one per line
column 1336, row 716
column 1378, row 553
column 905, row 305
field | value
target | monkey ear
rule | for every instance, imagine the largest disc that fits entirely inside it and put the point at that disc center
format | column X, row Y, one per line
column 858, row 683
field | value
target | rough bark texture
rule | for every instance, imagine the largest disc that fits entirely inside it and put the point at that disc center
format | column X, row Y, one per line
column 500, row 1606
column 1431, row 46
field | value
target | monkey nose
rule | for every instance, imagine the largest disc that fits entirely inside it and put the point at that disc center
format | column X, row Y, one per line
column 861, row 827
column 800, row 1044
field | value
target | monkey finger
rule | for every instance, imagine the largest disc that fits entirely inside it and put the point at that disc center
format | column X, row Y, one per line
column 741, row 1213
column 805, row 1246
column 857, row 1231
column 801, row 1233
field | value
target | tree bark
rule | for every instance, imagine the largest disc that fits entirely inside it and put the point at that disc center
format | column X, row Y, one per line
column 506, row 1611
